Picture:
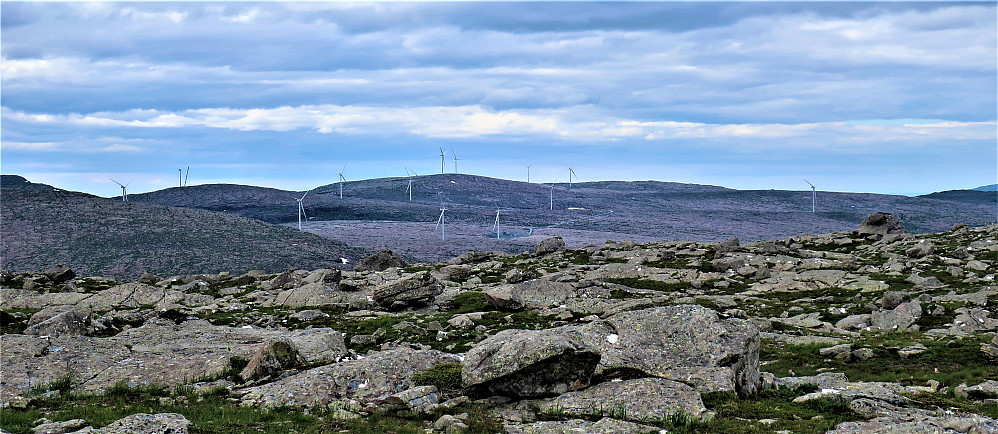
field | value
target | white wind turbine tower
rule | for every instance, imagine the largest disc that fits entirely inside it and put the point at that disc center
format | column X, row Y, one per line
column 301, row 209
column 342, row 180
column 455, row 158
column 441, row 161
column 124, row 194
column 496, row 226
column 440, row 221
column 408, row 189
column 181, row 173
column 528, row 171
column 814, row 195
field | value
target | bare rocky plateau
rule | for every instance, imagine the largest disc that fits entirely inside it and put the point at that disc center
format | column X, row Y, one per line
column 864, row 331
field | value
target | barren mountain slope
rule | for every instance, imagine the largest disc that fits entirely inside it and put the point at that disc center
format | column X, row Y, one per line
column 124, row 239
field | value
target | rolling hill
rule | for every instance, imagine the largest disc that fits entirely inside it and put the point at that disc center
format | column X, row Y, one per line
column 657, row 209
column 591, row 211
column 108, row 237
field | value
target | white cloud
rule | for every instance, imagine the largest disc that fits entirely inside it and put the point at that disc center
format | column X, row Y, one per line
column 583, row 123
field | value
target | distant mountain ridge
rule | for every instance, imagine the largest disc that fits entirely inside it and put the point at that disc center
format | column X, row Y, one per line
column 108, row 237
column 21, row 183
column 992, row 187
column 649, row 208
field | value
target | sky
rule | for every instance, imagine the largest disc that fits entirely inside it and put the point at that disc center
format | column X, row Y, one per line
column 881, row 97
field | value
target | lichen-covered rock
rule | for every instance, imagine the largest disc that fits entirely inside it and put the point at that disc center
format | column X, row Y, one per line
column 991, row 350
column 161, row 423
column 319, row 294
column 635, row 400
column 892, row 299
column 528, row 363
column 534, row 294
column 419, row 289
column 77, row 321
column 60, row 427
column 686, row 343
column 605, row 425
column 274, row 357
column 897, row 319
column 881, row 223
column 375, row 376
column 549, row 245
column 921, row 250
column 381, row 261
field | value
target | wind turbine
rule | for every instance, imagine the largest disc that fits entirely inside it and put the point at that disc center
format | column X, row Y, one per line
column 498, row 234
column 528, row 171
column 408, row 189
column 301, row 209
column 124, row 194
column 342, row 180
column 441, row 161
column 180, row 172
column 571, row 173
column 440, row 221
column 455, row 158
column 814, row 195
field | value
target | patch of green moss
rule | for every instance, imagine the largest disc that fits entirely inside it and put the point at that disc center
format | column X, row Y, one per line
column 445, row 376
column 470, row 301
column 950, row 363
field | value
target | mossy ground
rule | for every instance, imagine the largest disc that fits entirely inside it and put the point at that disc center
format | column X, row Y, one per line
column 218, row 411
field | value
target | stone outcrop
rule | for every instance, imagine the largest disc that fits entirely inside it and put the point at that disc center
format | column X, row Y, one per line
column 380, row 261
column 686, row 343
column 370, row 378
column 881, row 223
column 637, row 400
column 526, row 363
column 549, row 245
column 418, row 289
column 534, row 294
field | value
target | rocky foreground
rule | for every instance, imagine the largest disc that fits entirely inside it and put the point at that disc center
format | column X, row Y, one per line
column 874, row 330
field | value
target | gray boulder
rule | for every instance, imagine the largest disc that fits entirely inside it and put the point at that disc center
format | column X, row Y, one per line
column 59, row 273
column 881, row 223
column 985, row 390
column 534, row 294
column 685, row 343
column 921, row 250
column 635, row 400
column 77, row 321
column 900, row 318
column 60, row 427
column 274, row 357
column 526, row 363
column 368, row 379
column 605, row 425
column 991, row 349
column 318, row 294
column 893, row 299
column 419, row 289
column 161, row 423
column 549, row 245
column 380, row 261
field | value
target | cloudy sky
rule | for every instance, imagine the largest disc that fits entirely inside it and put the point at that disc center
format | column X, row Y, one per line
column 867, row 97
